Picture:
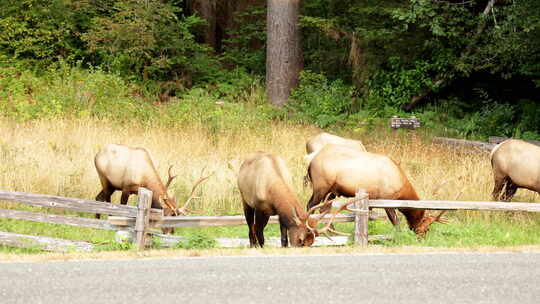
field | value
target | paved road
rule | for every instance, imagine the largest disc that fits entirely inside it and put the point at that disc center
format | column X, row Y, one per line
column 388, row 278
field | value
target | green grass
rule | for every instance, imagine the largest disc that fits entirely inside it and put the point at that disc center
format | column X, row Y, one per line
column 495, row 229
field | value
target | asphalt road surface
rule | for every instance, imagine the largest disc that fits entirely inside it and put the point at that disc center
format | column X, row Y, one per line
column 360, row 278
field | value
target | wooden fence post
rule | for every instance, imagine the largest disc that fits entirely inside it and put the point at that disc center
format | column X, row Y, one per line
column 361, row 218
column 143, row 217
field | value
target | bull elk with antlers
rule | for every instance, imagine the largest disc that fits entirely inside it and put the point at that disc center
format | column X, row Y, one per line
column 126, row 169
column 339, row 170
column 265, row 186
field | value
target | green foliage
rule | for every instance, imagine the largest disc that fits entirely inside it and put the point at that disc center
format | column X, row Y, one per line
column 39, row 32
column 512, row 43
column 528, row 126
column 230, row 85
column 197, row 240
column 491, row 119
column 396, row 85
column 320, row 101
column 246, row 43
column 148, row 39
column 79, row 93
column 70, row 91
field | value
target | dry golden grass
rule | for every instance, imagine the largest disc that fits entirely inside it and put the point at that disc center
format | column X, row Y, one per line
column 56, row 157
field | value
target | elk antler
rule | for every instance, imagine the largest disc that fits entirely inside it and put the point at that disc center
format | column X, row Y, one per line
column 171, row 177
column 165, row 203
column 324, row 203
column 343, row 206
column 439, row 219
column 327, row 227
column 312, row 209
column 201, row 179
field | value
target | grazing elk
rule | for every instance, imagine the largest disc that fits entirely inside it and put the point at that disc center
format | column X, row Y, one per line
column 265, row 186
column 126, row 169
column 515, row 164
column 339, row 170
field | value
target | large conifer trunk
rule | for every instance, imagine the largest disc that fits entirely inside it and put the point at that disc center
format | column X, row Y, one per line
column 284, row 58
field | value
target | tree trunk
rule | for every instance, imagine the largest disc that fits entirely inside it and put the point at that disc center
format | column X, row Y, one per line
column 284, row 59
column 206, row 9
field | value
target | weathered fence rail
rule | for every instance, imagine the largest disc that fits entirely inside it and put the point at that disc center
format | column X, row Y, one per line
column 71, row 204
column 141, row 221
column 456, row 205
column 209, row 221
column 67, row 204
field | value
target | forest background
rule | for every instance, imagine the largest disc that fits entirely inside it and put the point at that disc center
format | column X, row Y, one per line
column 465, row 68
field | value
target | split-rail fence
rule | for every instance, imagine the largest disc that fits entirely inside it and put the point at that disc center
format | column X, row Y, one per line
column 141, row 221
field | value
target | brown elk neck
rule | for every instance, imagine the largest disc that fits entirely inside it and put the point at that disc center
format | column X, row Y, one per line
column 414, row 217
column 284, row 204
column 158, row 190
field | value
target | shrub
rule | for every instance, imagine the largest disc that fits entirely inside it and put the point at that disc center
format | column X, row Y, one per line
column 147, row 39
column 197, row 240
column 320, row 101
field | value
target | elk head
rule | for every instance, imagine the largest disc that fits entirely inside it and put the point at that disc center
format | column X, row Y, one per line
column 305, row 231
column 167, row 201
column 423, row 226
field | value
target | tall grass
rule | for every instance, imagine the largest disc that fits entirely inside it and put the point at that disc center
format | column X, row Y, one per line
column 56, row 157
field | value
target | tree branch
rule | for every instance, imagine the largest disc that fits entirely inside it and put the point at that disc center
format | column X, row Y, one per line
column 438, row 81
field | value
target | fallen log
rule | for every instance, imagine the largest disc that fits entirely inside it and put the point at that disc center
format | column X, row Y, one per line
column 479, row 145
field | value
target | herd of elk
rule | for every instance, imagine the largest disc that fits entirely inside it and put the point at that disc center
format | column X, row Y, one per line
column 126, row 169
column 515, row 164
column 336, row 167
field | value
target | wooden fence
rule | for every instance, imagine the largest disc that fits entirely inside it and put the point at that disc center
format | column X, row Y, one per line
column 141, row 221
column 134, row 222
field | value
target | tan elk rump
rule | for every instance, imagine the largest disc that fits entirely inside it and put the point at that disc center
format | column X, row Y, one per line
column 340, row 171
column 515, row 164
column 317, row 142
column 265, row 186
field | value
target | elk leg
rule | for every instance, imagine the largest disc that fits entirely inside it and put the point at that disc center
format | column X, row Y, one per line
column 261, row 219
column 511, row 189
column 284, row 237
column 104, row 196
column 393, row 217
column 124, row 198
column 498, row 187
column 315, row 199
column 249, row 213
